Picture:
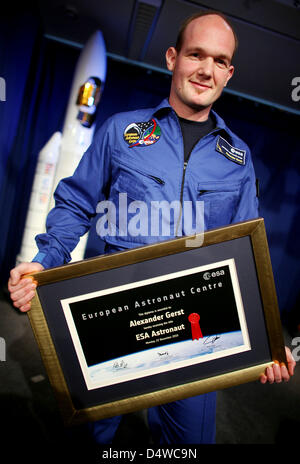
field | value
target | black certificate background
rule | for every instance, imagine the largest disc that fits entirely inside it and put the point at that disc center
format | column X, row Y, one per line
column 51, row 294
column 110, row 336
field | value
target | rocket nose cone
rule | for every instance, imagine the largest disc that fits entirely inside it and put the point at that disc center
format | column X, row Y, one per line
column 93, row 56
column 96, row 39
column 97, row 36
column 91, row 63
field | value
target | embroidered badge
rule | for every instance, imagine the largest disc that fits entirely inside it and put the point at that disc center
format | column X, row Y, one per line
column 234, row 154
column 142, row 133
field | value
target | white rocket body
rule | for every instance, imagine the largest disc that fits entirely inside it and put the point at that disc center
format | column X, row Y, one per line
column 77, row 135
column 40, row 197
column 76, row 138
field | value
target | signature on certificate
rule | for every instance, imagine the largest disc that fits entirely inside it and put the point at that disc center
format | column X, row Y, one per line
column 211, row 339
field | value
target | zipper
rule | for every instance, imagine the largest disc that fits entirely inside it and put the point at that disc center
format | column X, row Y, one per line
column 184, row 171
column 183, row 178
column 181, row 194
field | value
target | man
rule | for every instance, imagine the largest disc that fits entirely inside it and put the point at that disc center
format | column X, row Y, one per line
column 188, row 154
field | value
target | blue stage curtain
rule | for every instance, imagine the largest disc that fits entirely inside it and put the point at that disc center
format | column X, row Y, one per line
column 38, row 75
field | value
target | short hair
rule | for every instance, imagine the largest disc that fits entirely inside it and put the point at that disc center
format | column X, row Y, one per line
column 199, row 14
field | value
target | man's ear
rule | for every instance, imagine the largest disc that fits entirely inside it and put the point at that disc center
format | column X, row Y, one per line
column 230, row 74
column 171, row 55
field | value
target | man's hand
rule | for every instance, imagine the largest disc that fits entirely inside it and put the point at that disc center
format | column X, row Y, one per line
column 280, row 372
column 22, row 289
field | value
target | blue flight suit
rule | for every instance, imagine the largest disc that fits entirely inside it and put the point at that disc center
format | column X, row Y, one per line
column 139, row 154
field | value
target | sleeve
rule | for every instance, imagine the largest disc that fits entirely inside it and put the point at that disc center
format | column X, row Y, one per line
column 76, row 200
column 248, row 206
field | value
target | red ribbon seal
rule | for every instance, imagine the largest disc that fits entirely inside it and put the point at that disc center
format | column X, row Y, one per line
column 195, row 326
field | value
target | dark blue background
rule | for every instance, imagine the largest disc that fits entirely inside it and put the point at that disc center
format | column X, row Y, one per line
column 38, row 74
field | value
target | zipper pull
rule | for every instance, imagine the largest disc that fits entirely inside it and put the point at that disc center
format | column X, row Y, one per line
column 185, row 165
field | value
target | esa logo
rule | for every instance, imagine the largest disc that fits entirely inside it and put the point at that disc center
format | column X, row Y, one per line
column 209, row 275
column 236, row 151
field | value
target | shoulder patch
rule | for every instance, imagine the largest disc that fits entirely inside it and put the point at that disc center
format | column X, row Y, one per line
column 232, row 153
column 142, row 133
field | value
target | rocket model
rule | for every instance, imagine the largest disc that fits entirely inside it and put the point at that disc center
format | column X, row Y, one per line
column 40, row 194
column 62, row 153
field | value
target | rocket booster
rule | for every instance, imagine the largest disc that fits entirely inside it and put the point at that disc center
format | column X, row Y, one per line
column 40, row 195
column 76, row 136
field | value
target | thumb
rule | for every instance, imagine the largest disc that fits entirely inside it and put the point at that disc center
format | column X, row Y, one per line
column 22, row 269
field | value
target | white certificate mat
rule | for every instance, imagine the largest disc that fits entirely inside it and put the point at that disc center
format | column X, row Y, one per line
column 150, row 324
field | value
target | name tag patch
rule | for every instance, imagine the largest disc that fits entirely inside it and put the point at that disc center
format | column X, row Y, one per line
column 232, row 153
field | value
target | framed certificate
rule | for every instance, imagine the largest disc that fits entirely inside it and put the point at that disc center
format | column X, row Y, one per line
column 158, row 323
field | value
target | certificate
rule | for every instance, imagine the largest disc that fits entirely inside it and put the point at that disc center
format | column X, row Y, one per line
column 158, row 323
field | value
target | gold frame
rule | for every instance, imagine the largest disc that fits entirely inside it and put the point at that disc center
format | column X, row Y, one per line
column 255, row 229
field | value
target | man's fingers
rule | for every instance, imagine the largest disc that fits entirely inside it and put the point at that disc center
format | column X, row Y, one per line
column 270, row 374
column 291, row 363
column 14, row 277
column 25, row 308
column 23, row 302
column 22, row 286
column 19, row 271
column 284, row 372
column 277, row 372
column 26, row 298
column 22, row 294
column 19, row 285
column 263, row 378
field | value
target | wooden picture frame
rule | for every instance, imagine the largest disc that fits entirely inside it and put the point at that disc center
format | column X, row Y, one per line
column 90, row 319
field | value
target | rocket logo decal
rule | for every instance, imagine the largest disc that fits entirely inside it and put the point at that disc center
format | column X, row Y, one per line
column 142, row 133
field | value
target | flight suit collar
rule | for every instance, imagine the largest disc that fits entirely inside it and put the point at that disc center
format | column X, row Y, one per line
column 164, row 108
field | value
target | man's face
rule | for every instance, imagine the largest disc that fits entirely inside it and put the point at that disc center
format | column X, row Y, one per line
column 202, row 67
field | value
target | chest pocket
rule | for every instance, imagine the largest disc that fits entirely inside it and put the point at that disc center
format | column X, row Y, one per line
column 137, row 183
column 131, row 193
column 220, row 202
